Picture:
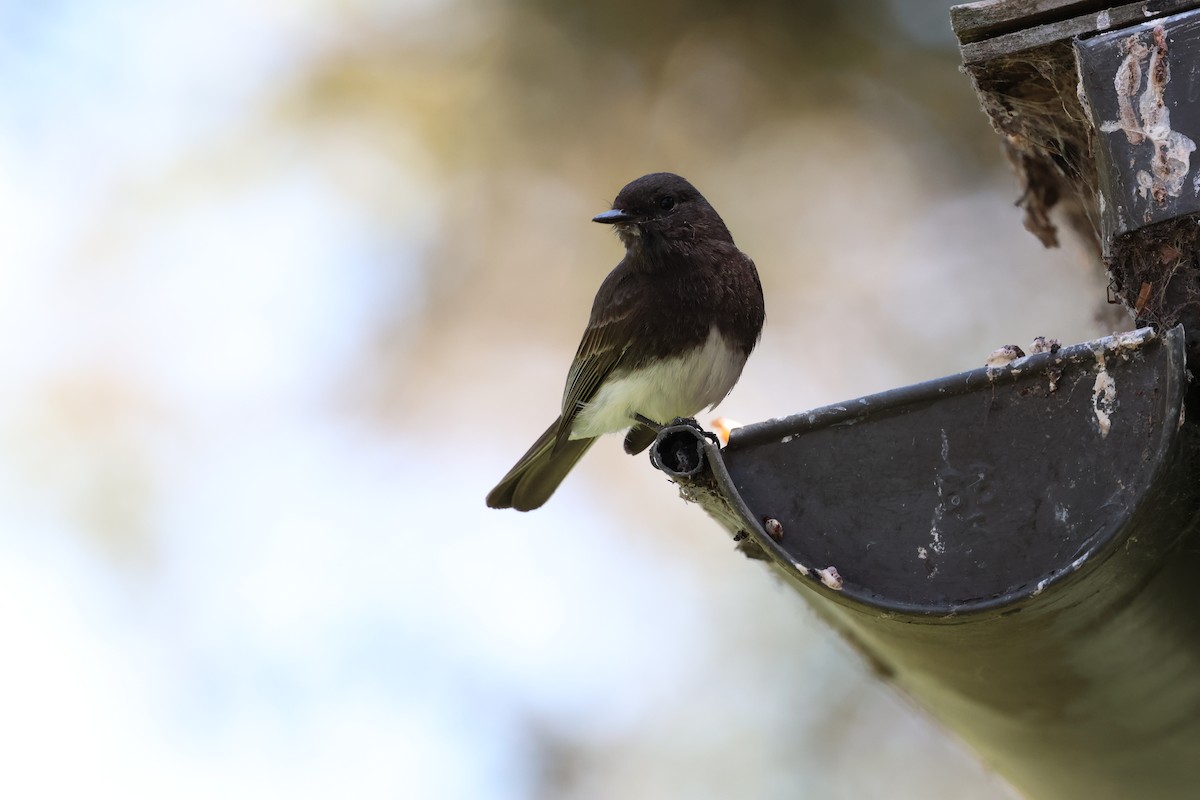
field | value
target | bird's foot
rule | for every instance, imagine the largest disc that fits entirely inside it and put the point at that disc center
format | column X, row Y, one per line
column 691, row 423
column 688, row 421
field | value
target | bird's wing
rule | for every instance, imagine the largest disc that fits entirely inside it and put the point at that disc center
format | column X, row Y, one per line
column 604, row 344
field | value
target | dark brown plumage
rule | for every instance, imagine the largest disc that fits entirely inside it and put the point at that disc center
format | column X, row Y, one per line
column 670, row 330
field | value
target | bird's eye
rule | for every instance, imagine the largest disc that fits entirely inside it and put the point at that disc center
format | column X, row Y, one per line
column 666, row 202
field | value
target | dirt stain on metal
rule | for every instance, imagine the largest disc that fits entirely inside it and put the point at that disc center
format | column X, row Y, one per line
column 1145, row 116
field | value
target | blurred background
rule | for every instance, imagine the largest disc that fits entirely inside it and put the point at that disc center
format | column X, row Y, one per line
column 285, row 287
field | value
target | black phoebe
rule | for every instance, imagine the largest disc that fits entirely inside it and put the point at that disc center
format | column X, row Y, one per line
column 671, row 329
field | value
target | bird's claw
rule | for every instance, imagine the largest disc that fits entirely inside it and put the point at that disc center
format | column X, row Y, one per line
column 688, row 421
column 691, row 423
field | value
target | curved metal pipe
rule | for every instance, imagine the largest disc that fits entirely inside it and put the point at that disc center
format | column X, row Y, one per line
column 1054, row 629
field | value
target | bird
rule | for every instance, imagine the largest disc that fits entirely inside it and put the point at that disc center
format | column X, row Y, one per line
column 670, row 330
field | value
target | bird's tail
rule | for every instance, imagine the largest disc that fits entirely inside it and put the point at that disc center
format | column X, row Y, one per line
column 539, row 472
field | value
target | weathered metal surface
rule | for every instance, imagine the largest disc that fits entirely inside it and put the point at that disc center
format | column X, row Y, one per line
column 1020, row 57
column 968, row 491
column 1099, row 116
column 1141, row 85
column 1017, row 548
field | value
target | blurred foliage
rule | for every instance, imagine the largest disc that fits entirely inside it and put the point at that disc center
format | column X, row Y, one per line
column 537, row 73
column 516, row 114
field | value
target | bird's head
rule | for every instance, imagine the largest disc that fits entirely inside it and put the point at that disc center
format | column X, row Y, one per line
column 661, row 209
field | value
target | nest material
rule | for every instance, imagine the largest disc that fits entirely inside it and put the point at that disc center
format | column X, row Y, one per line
column 1033, row 101
column 1154, row 272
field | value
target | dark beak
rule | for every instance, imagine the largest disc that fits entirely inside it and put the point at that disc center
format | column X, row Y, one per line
column 613, row 217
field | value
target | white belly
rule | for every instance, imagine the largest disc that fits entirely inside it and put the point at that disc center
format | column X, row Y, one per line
column 676, row 387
